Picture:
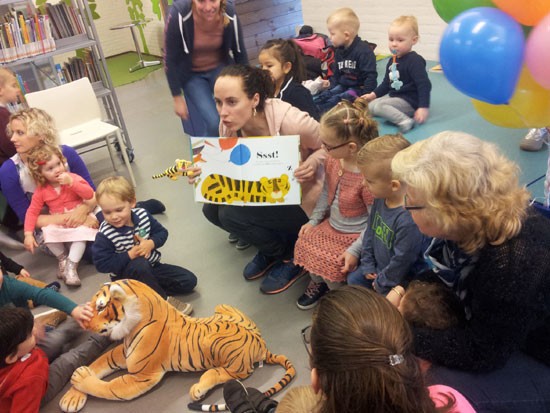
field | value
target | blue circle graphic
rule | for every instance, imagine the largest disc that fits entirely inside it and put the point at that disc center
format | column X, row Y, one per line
column 240, row 155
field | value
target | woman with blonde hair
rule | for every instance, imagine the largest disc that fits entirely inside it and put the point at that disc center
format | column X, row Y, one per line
column 493, row 250
column 201, row 37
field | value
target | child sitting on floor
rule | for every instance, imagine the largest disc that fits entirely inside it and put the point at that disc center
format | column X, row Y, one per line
column 62, row 192
column 391, row 246
column 128, row 241
column 403, row 97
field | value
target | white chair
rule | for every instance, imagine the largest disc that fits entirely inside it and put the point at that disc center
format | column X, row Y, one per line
column 77, row 115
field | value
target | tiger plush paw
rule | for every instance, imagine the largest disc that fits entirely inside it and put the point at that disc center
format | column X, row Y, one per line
column 73, row 401
column 197, row 392
column 80, row 376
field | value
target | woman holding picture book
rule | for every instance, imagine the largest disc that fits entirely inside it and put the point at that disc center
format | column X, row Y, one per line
column 242, row 100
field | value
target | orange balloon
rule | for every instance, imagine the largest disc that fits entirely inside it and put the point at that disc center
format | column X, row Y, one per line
column 529, row 106
column 228, row 143
column 527, row 12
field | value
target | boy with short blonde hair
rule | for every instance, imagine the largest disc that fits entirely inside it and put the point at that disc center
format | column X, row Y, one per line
column 128, row 241
column 390, row 249
column 9, row 93
column 354, row 62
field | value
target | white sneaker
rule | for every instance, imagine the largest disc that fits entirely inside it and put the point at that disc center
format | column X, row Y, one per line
column 535, row 140
column 182, row 307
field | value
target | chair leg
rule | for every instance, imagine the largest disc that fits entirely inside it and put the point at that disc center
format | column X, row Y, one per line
column 125, row 157
column 112, row 152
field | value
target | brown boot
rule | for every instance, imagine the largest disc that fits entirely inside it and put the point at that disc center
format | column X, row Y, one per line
column 71, row 276
column 61, row 265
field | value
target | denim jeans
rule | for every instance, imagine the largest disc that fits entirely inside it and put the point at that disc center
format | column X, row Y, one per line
column 521, row 386
column 203, row 116
column 327, row 99
column 271, row 229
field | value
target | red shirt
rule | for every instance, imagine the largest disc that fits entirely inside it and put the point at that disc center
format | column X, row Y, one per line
column 24, row 383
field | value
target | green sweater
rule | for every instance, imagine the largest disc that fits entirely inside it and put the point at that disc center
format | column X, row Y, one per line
column 17, row 292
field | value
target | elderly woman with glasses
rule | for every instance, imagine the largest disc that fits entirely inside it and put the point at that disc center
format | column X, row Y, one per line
column 494, row 251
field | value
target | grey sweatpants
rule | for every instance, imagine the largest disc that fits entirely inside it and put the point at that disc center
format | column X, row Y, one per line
column 396, row 110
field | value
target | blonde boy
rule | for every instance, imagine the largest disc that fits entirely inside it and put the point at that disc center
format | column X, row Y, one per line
column 128, row 241
column 390, row 249
column 9, row 93
column 403, row 97
column 354, row 62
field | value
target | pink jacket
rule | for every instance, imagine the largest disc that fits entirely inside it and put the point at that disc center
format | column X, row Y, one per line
column 285, row 119
column 66, row 200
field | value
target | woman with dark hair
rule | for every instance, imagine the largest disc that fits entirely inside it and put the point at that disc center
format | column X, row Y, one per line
column 201, row 37
column 242, row 96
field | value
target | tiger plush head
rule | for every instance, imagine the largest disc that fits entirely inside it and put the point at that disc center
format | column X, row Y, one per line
column 116, row 308
column 275, row 188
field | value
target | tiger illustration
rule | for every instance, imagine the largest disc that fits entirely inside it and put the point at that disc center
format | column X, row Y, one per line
column 158, row 338
column 220, row 188
column 179, row 169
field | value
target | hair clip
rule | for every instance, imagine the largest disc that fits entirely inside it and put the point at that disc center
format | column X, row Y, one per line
column 41, row 163
column 396, row 359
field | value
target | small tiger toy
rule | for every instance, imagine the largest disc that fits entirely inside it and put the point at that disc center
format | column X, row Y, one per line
column 179, row 169
column 157, row 338
column 220, row 188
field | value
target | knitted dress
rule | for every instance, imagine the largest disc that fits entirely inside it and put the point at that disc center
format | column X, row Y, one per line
column 318, row 250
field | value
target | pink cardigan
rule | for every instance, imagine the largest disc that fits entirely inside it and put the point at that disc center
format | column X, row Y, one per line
column 67, row 199
column 285, row 119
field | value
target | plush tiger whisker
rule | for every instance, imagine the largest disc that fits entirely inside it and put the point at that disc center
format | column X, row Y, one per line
column 179, row 169
column 157, row 338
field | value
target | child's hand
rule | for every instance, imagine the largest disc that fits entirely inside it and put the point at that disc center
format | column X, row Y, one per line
column 371, row 276
column 91, row 222
column 77, row 216
column 65, row 179
column 368, row 96
column 325, row 84
column 144, row 247
column 421, row 115
column 348, row 262
column 133, row 252
column 24, row 273
column 305, row 228
column 30, row 242
column 305, row 172
column 193, row 172
column 82, row 314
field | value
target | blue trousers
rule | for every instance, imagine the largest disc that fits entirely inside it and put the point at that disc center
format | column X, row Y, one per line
column 327, row 99
column 165, row 279
column 203, row 116
column 521, row 386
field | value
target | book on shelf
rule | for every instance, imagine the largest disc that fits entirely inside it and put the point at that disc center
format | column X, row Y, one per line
column 66, row 21
column 81, row 66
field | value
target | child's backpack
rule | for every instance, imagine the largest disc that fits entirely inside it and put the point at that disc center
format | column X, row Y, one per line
column 312, row 45
column 317, row 46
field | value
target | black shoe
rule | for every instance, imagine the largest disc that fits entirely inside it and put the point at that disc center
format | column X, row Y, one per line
column 54, row 286
column 242, row 245
column 153, row 206
column 258, row 266
column 246, row 400
column 312, row 295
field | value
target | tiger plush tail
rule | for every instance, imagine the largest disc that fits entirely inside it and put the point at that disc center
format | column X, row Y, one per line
column 280, row 385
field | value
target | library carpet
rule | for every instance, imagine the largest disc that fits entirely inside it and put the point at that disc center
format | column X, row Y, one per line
column 119, row 66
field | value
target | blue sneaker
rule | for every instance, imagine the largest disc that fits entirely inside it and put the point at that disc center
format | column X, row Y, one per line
column 281, row 277
column 258, row 266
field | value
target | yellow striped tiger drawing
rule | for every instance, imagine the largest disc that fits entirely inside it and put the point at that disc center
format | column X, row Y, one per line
column 179, row 169
column 157, row 338
column 220, row 188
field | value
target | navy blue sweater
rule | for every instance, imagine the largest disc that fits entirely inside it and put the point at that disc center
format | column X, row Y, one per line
column 298, row 96
column 416, row 86
column 355, row 67
column 178, row 45
column 110, row 249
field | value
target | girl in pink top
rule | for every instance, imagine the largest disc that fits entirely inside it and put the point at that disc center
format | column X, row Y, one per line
column 60, row 191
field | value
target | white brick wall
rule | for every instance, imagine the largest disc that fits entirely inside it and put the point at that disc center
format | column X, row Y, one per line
column 115, row 12
column 375, row 17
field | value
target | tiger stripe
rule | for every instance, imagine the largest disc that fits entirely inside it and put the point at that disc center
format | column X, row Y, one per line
column 222, row 189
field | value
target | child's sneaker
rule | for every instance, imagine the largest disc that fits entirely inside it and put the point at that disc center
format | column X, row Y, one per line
column 53, row 286
column 182, row 307
column 242, row 245
column 232, row 238
column 311, row 296
column 535, row 140
column 406, row 125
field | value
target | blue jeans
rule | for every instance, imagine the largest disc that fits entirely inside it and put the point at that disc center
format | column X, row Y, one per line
column 522, row 385
column 203, row 116
column 357, row 277
column 327, row 99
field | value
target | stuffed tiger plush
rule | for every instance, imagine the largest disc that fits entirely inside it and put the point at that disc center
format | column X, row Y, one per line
column 179, row 169
column 220, row 188
column 157, row 338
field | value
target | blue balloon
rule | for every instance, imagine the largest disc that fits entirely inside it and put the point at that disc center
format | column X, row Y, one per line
column 481, row 54
column 240, row 155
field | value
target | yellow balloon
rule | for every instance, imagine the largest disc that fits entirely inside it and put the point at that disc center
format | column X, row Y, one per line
column 529, row 106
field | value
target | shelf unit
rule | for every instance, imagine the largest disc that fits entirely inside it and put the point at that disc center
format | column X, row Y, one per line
column 42, row 73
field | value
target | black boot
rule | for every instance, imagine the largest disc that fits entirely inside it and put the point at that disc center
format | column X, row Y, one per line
column 246, row 400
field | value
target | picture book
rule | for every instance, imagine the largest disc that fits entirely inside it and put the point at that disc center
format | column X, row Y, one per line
column 256, row 171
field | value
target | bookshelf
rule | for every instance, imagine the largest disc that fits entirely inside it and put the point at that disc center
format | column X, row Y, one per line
column 65, row 32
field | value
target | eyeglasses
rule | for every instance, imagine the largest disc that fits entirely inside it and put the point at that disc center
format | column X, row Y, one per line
column 411, row 207
column 306, row 338
column 329, row 148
